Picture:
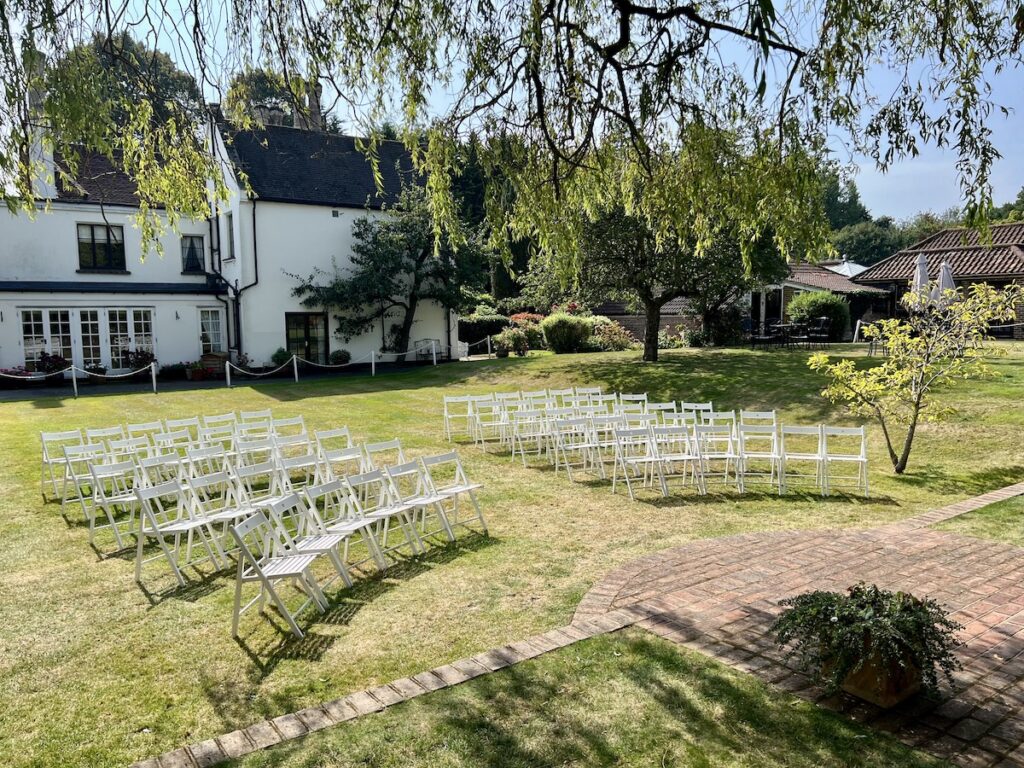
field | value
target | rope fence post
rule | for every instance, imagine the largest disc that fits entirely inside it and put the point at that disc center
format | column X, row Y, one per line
column 227, row 373
column 488, row 347
column 152, row 370
column 74, row 381
column 433, row 350
column 373, row 362
column 295, row 367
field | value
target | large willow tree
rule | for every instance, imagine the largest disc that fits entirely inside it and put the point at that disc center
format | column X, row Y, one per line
column 574, row 101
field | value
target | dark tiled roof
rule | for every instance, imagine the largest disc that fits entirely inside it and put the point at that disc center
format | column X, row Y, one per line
column 813, row 276
column 87, row 286
column 97, row 180
column 313, row 167
column 968, row 257
column 619, row 308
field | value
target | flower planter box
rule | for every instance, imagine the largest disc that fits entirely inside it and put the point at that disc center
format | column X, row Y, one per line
column 881, row 684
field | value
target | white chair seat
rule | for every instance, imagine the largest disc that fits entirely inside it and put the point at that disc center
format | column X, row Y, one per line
column 287, row 565
column 348, row 526
column 320, row 542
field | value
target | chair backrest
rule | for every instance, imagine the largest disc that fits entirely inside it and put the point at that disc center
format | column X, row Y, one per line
column 250, row 416
column 759, row 417
column 332, row 502
column 682, row 419
column 329, row 441
column 502, row 396
column 626, row 397
column 535, row 394
column 163, row 503
column 79, row 457
column 160, row 468
column 673, row 440
column 104, row 434
column 625, row 408
column 561, row 394
column 343, row 462
column 299, row 470
column 112, row 480
column 254, row 430
column 374, row 490
column 379, row 455
column 212, row 493
column 695, row 407
column 206, row 460
column 848, row 442
column 294, row 425
column 221, row 420
column 408, row 480
column 223, row 435
column 145, row 429
column 179, row 440
column 715, row 438
column 590, row 391
column 258, row 539
column 445, row 471
column 256, row 482
column 190, row 424
column 727, row 418
column 634, row 442
column 663, row 408
column 800, row 440
column 293, row 519
column 638, row 420
column 293, row 445
column 255, row 451
column 759, row 438
column 54, row 442
column 132, row 448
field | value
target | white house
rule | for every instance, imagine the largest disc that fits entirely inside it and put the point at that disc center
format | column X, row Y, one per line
column 73, row 280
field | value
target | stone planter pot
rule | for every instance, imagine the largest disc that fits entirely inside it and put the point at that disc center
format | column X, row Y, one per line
column 501, row 353
column 881, row 684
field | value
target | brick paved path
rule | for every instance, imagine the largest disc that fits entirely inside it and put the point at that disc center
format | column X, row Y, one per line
column 719, row 596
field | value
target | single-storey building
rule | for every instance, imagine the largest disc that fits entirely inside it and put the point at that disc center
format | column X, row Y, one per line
column 998, row 263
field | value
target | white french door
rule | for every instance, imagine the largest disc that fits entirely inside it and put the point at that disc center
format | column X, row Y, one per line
column 87, row 337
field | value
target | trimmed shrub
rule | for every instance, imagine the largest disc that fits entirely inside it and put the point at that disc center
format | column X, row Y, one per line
column 280, row 357
column 339, row 357
column 695, row 337
column 809, row 306
column 512, row 339
column 609, row 336
column 566, row 333
column 529, row 323
column 473, row 328
column 671, row 339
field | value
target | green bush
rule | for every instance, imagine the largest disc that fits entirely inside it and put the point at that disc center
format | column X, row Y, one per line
column 671, row 339
column 609, row 336
column 566, row 333
column 340, row 357
column 473, row 328
column 512, row 339
column 280, row 357
column 809, row 306
column 695, row 337
column 725, row 327
column 530, row 324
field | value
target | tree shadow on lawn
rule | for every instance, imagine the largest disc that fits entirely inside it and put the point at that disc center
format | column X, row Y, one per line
column 966, row 483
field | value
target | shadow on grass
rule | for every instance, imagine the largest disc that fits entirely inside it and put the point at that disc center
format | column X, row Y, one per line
column 967, row 483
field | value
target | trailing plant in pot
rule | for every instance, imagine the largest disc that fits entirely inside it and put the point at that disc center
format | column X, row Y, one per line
column 878, row 645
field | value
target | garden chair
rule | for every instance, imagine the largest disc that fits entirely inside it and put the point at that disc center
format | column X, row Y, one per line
column 216, row 498
column 589, row 411
column 456, row 414
column 77, row 485
column 160, row 468
column 383, row 454
column 798, row 335
column 537, row 394
column 661, row 410
column 446, row 476
column 377, row 496
column 757, row 445
column 678, row 456
column 529, row 431
column 299, row 534
column 630, row 408
column 818, row 334
column 221, row 420
column 130, row 449
column 695, row 408
column 260, row 485
column 206, row 461
column 716, row 443
column 759, row 418
column 53, row 465
column 146, row 429
column 191, row 425
column 633, row 399
column 339, row 463
column 636, row 457
column 578, row 401
column 104, row 435
column 254, row 430
column 292, row 445
column 113, row 494
column 561, row 395
column 798, row 447
column 164, row 516
column 295, row 425
column 720, row 418
column 257, row 540
column 489, row 422
column 572, row 446
column 638, row 420
column 301, row 470
column 335, row 508
column 602, row 438
column 605, row 401
column 590, row 392
column 411, row 488
column 178, row 442
column 258, row 451
column 248, row 417
column 844, row 445
column 222, row 436
column 683, row 419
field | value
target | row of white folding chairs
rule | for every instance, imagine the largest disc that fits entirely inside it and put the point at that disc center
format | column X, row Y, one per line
column 278, row 531
column 742, row 454
column 224, row 428
column 331, row 454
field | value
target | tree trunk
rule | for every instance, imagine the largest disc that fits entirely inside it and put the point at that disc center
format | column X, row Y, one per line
column 901, row 465
column 405, row 330
column 652, row 324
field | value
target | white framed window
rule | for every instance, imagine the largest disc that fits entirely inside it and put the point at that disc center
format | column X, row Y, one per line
column 33, row 336
column 92, row 337
column 229, row 222
column 193, row 255
column 211, row 331
column 89, row 336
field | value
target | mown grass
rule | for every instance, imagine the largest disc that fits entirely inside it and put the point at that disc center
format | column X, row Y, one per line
column 95, row 671
column 1001, row 522
column 626, row 700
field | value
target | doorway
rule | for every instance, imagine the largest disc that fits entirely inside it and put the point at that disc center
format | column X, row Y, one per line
column 306, row 335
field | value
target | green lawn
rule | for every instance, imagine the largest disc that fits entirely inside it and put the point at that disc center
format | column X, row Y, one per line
column 93, row 671
column 1002, row 522
column 626, row 700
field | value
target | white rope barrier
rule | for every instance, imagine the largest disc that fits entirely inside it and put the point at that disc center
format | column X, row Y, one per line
column 32, row 376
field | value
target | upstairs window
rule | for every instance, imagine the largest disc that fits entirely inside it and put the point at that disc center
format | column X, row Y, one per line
column 192, row 255
column 101, row 248
column 230, row 224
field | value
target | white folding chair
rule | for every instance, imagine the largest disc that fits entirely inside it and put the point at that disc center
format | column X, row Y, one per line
column 762, row 418
column 798, row 447
column 633, row 399
column 490, row 422
column 678, row 456
column 572, row 445
column 412, row 488
column 298, row 444
column 164, row 516
column 301, row 535
column 335, row 508
column 263, row 558
column 844, row 445
column 77, row 485
column 129, row 449
column 607, row 402
column 662, row 410
column 145, row 429
column 719, row 419
column 602, row 439
column 300, row 470
column 53, row 466
column 681, row 419
column 590, row 392
column 537, row 394
column 379, row 504
column 560, row 395
column 260, row 485
column 529, row 432
column 636, row 457
column 177, row 441
column 221, row 420
column 245, row 417
column 295, row 425
column 113, row 494
column 160, row 468
column 191, row 425
column 695, row 408
column 254, row 430
column 456, row 412
column 639, row 409
column 206, row 461
column 447, row 477
column 757, row 445
column 383, row 454
column 258, row 451
column 216, row 498
column 105, row 434
column 716, row 443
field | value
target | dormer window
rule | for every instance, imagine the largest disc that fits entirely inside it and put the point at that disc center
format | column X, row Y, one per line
column 192, row 255
column 100, row 248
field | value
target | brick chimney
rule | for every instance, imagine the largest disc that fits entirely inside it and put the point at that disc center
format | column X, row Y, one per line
column 310, row 116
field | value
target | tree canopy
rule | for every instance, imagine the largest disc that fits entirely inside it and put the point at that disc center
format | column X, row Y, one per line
column 576, row 84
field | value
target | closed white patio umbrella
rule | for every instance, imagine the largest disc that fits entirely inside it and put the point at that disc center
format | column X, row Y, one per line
column 920, row 282
column 945, row 283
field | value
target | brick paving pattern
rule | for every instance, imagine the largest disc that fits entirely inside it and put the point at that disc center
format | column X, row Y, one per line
column 719, row 596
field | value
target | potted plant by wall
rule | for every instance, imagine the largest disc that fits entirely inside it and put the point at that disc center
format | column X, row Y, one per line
column 95, row 374
column 53, row 367
column 140, row 360
column 512, row 339
column 195, row 371
column 877, row 645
